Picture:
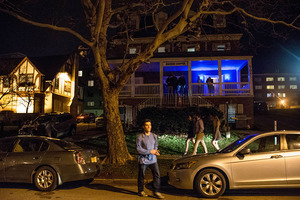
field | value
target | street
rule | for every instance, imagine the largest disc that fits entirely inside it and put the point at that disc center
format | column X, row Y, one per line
column 83, row 190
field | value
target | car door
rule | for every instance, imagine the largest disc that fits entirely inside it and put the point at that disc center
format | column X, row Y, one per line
column 5, row 146
column 265, row 165
column 292, row 158
column 23, row 159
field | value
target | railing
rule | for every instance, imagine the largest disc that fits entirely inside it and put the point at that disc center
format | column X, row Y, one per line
column 198, row 89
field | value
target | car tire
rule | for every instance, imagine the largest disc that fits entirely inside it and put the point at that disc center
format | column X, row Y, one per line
column 45, row 179
column 210, row 183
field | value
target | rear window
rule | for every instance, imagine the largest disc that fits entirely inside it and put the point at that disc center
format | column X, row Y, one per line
column 66, row 145
column 6, row 144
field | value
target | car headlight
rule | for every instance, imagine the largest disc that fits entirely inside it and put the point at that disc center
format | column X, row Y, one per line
column 185, row 165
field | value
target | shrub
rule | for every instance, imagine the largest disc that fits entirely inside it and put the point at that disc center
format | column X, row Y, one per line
column 175, row 120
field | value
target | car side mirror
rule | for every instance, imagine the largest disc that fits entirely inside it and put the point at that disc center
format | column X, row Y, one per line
column 242, row 153
column 245, row 151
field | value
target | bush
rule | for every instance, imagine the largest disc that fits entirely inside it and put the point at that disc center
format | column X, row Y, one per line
column 175, row 120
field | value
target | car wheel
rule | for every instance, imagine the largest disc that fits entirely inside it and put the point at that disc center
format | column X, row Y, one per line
column 45, row 179
column 210, row 183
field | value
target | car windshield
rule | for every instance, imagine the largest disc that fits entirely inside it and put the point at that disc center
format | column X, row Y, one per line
column 236, row 144
column 66, row 145
column 42, row 119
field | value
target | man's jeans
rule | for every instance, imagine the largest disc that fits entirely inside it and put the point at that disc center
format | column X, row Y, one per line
column 155, row 173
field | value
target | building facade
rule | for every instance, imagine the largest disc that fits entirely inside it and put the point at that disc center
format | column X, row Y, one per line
column 39, row 84
column 277, row 90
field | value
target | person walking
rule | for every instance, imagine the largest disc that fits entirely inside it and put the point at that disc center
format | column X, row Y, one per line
column 199, row 132
column 216, row 131
column 147, row 148
column 191, row 135
column 50, row 129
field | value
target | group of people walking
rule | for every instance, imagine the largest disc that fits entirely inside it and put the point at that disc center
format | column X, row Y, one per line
column 196, row 133
column 147, row 148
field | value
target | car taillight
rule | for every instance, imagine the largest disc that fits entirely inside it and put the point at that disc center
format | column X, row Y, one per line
column 78, row 158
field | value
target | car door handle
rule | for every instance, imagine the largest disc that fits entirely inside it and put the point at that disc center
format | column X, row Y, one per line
column 276, row 156
column 35, row 158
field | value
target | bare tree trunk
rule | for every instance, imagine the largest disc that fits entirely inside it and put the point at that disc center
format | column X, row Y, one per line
column 117, row 148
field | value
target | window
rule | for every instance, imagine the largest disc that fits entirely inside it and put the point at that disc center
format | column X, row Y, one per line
column 90, row 103
column 258, row 87
column 257, row 79
column 191, row 49
column 90, row 94
column 221, row 46
column 91, row 83
column 281, row 87
column 293, row 87
column 281, row 95
column 6, row 82
column 5, row 145
column 67, row 86
column 268, row 79
column 270, row 87
column 293, row 141
column 258, row 95
column 270, row 95
column 265, row 144
column 219, row 21
column 27, row 145
column 132, row 51
column 80, row 73
column 161, row 49
column 293, row 78
column 280, row 79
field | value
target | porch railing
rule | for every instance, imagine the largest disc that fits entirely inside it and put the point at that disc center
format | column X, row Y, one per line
column 197, row 89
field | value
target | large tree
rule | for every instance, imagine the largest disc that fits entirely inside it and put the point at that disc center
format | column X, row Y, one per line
column 106, row 19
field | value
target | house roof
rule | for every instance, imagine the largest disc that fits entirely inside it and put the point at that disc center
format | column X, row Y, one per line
column 47, row 65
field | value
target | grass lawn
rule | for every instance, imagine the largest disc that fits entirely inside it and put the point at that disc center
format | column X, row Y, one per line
column 168, row 145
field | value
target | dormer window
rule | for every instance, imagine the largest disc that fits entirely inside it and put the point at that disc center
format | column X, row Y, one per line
column 219, row 21
column 191, row 49
column 132, row 51
column 221, row 46
column 161, row 49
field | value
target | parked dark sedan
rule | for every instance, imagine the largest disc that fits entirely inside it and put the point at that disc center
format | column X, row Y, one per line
column 45, row 162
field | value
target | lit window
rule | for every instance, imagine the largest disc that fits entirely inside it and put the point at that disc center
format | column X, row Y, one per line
column 221, row 47
column 281, row 87
column 90, row 103
column 132, row 51
column 281, row 94
column 268, row 79
column 293, row 78
column 257, row 79
column 280, row 79
column 161, row 49
column 91, row 83
column 191, row 49
column 270, row 87
column 258, row 87
column 270, row 95
column 293, row 87
column 80, row 73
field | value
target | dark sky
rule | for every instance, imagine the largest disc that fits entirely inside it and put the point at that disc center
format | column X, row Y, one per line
column 277, row 55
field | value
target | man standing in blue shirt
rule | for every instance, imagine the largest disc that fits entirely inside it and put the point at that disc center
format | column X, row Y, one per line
column 146, row 145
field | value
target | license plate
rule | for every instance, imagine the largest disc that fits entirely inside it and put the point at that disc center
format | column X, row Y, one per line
column 94, row 159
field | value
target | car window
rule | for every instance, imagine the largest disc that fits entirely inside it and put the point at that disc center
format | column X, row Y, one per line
column 27, row 145
column 66, row 145
column 265, row 144
column 293, row 141
column 6, row 144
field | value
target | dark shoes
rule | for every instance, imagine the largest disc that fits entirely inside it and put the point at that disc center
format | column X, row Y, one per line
column 142, row 194
column 158, row 195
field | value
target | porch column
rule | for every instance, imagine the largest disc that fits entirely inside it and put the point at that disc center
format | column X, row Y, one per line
column 250, row 78
column 220, row 77
column 132, row 88
column 190, row 82
column 161, row 80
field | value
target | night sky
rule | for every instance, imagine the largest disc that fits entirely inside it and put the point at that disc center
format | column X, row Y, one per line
column 277, row 55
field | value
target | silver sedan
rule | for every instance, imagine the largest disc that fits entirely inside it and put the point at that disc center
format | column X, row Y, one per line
column 268, row 160
column 45, row 162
